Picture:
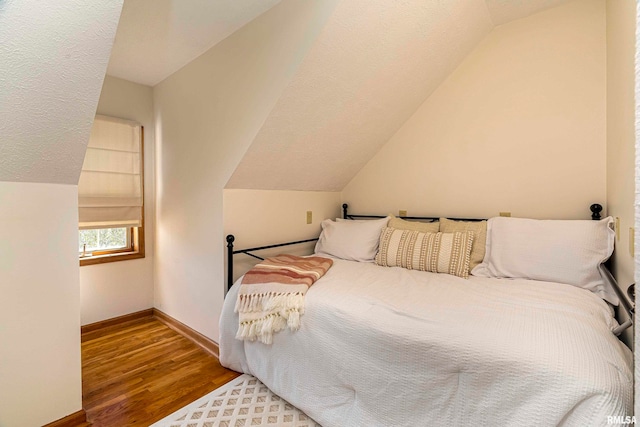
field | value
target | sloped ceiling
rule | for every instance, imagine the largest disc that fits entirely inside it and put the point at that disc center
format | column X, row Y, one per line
column 372, row 66
column 156, row 38
column 503, row 11
column 54, row 56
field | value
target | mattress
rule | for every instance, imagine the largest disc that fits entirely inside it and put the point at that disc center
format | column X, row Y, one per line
column 382, row 346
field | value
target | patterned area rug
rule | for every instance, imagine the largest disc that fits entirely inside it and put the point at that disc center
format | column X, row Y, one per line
column 244, row 401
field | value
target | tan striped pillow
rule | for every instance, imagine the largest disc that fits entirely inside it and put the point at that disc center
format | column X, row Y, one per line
column 435, row 252
column 479, row 229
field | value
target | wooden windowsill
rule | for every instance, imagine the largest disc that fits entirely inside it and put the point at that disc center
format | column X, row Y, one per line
column 102, row 259
column 135, row 252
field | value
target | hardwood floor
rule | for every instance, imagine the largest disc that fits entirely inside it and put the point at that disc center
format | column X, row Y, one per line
column 139, row 372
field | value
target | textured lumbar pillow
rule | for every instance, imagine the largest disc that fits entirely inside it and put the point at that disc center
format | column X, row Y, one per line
column 435, row 252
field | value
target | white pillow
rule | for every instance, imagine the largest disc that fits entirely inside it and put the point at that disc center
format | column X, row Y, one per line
column 351, row 240
column 564, row 251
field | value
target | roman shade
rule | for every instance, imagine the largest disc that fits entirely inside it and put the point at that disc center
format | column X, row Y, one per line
column 110, row 187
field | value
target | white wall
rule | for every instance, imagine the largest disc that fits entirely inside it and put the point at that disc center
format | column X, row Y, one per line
column 114, row 289
column 206, row 116
column 54, row 55
column 519, row 126
column 39, row 304
column 621, row 25
column 265, row 217
column 636, row 325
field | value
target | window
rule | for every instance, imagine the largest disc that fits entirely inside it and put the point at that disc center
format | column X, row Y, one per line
column 111, row 193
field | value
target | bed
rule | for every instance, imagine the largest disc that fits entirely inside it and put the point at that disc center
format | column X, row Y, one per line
column 392, row 346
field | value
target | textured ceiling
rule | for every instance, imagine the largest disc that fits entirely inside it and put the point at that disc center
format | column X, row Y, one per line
column 372, row 66
column 156, row 38
column 503, row 11
column 54, row 56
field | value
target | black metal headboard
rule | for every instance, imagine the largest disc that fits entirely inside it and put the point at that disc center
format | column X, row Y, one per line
column 595, row 214
column 347, row 215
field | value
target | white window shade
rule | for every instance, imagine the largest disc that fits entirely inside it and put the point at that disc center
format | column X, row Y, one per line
column 110, row 187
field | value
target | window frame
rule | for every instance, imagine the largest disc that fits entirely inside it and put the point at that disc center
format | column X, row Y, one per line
column 127, row 248
column 137, row 248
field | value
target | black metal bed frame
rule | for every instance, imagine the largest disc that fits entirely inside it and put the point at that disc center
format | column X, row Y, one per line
column 345, row 214
column 595, row 215
column 230, row 253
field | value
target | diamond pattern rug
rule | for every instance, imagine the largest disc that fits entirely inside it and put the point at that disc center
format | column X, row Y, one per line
column 245, row 401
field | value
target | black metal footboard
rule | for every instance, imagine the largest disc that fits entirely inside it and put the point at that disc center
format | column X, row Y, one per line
column 231, row 252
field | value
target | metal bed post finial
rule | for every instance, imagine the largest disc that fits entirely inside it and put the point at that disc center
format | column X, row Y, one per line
column 230, row 239
column 595, row 211
column 344, row 210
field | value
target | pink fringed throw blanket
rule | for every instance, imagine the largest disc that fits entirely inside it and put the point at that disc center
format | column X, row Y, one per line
column 271, row 295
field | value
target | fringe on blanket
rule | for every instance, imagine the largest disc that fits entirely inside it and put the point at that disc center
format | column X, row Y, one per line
column 269, row 313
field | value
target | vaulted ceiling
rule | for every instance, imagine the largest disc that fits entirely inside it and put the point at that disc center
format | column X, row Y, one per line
column 369, row 70
column 156, row 38
column 371, row 66
column 54, row 58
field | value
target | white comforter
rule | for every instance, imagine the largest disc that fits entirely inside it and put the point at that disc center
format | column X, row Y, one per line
column 386, row 347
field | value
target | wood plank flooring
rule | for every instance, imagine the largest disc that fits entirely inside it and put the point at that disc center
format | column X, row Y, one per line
column 139, row 372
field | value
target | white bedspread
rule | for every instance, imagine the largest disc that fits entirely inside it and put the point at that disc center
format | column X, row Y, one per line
column 383, row 346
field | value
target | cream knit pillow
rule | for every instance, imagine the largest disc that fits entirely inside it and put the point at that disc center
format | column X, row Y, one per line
column 479, row 229
column 402, row 224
